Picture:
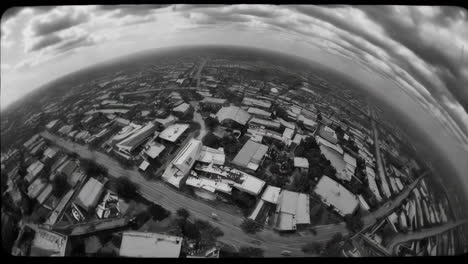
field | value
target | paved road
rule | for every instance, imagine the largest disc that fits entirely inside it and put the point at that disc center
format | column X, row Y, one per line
column 200, row 68
column 199, row 119
column 380, row 167
column 372, row 218
column 171, row 199
column 418, row 235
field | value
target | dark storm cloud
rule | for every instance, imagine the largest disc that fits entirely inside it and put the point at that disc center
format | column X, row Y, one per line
column 45, row 42
column 430, row 52
column 58, row 23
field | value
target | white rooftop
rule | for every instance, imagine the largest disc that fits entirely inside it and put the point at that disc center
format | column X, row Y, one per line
column 250, row 184
column 154, row 150
column 300, row 162
column 234, row 113
column 334, row 194
column 211, row 155
column 209, row 185
column 150, row 245
column 182, row 108
column 173, row 132
column 144, row 165
column 349, row 160
column 90, row 193
column 292, row 209
column 271, row 194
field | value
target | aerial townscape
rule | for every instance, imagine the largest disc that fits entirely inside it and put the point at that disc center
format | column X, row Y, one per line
column 215, row 152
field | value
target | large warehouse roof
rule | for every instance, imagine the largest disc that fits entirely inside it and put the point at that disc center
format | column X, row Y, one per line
column 250, row 155
column 150, row 245
column 334, row 194
column 234, row 113
column 173, row 132
column 292, row 209
column 89, row 194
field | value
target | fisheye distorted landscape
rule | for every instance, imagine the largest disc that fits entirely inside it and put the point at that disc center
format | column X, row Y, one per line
column 227, row 131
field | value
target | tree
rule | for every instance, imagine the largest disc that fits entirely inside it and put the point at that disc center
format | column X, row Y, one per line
column 210, row 140
column 354, row 222
column 91, row 168
column 250, row 252
column 142, row 217
column 314, row 248
column 250, row 226
column 319, row 116
column 158, row 212
column 183, row 213
column 333, row 246
column 126, row 188
column 211, row 123
column 190, row 230
column 60, row 185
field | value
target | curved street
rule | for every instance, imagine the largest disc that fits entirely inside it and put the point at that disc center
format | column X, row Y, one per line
column 158, row 192
column 418, row 235
column 272, row 242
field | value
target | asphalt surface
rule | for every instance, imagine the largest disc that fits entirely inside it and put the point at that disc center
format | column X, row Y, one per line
column 158, row 192
column 428, row 232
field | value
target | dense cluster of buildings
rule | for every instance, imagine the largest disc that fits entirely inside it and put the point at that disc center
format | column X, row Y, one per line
column 147, row 120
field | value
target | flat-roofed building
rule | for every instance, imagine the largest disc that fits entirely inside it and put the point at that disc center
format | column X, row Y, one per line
column 46, row 192
column 38, row 148
column 207, row 188
column 125, row 132
column 233, row 113
column 250, row 184
column 259, row 112
column 255, row 102
column 36, row 188
column 182, row 163
column 271, row 194
column 64, row 130
column 47, row 243
column 136, row 139
column 165, row 122
column 34, row 170
column 173, row 132
column 334, row 194
column 154, row 150
column 52, row 124
column 150, row 245
column 328, row 134
column 213, row 102
column 89, row 194
column 251, row 155
column 211, row 155
column 309, row 124
column 301, row 163
column 182, row 108
column 50, row 153
column 144, row 165
column 292, row 210
column 288, row 134
column 264, row 122
column 67, row 168
column 28, row 144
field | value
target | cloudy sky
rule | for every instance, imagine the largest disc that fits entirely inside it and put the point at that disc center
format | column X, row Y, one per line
column 419, row 49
